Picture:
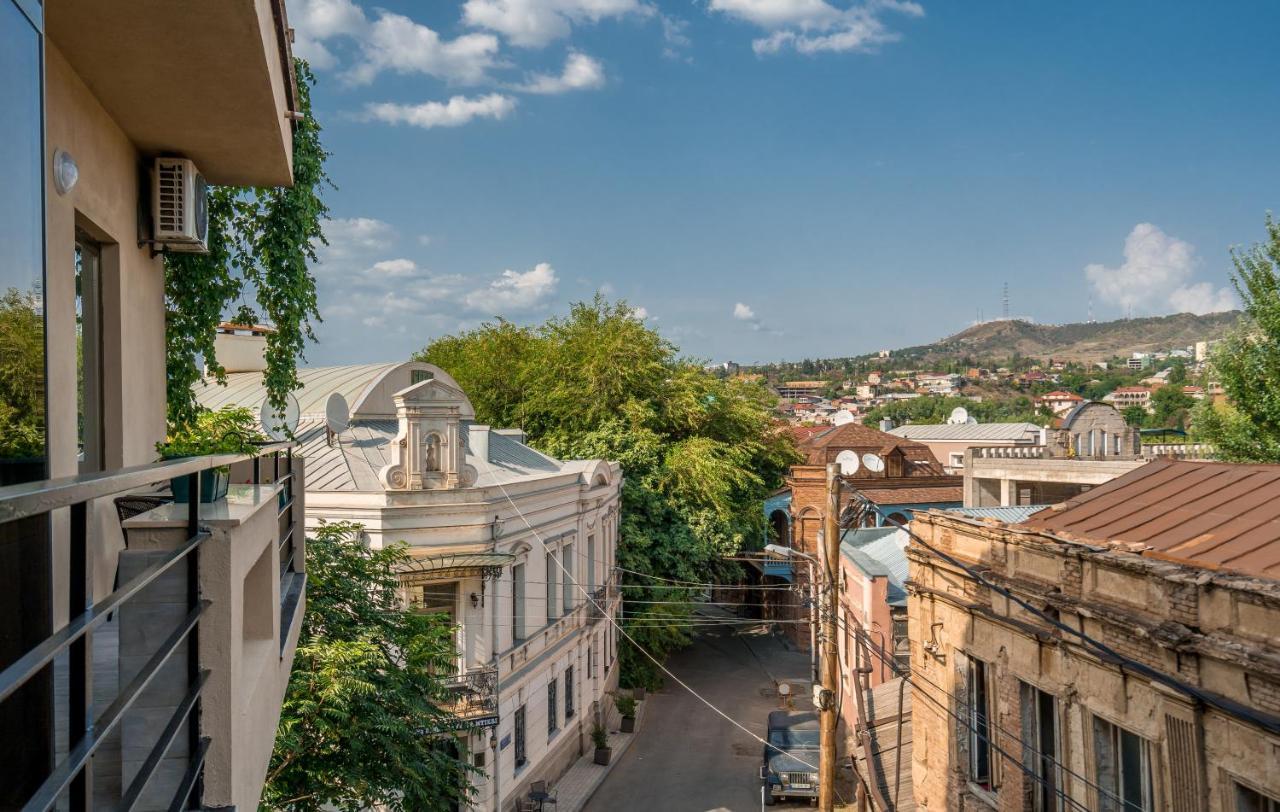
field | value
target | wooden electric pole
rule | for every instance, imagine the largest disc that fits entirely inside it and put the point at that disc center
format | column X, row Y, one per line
column 830, row 602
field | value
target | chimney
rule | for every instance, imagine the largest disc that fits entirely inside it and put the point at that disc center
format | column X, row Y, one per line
column 478, row 441
column 241, row 347
column 886, row 424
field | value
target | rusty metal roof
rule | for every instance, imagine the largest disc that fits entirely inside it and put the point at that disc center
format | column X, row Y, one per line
column 1208, row 514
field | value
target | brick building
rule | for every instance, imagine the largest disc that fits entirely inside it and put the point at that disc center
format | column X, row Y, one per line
column 1174, row 568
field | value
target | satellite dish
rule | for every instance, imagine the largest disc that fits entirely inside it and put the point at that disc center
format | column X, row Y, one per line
column 275, row 427
column 337, row 414
column 848, row 462
column 873, row 463
column 842, row 417
column 959, row 416
column 784, row 689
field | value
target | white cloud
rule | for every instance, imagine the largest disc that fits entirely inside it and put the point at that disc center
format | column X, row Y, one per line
column 581, row 72
column 392, row 42
column 515, row 291
column 534, row 23
column 815, row 26
column 742, row 312
column 1156, row 277
column 639, row 313
column 424, row 239
column 355, row 235
column 394, row 267
column 673, row 34
column 454, row 113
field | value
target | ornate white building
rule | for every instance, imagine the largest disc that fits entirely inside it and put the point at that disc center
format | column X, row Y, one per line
column 517, row 547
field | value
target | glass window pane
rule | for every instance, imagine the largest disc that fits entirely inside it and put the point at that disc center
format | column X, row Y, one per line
column 22, row 343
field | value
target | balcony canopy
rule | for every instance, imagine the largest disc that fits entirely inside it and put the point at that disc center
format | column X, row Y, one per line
column 444, row 566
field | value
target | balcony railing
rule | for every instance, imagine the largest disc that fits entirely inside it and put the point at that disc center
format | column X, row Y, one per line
column 1010, row 452
column 1181, row 451
column 472, row 699
column 118, row 690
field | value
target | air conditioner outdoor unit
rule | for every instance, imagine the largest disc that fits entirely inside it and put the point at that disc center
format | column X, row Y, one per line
column 180, row 206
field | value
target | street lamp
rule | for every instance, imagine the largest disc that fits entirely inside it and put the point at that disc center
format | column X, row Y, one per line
column 791, row 552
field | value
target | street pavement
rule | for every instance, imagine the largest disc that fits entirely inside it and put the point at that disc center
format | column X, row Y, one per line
column 687, row 758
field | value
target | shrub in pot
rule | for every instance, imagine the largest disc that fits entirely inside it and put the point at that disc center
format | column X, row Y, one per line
column 601, row 740
column 231, row 430
column 627, row 707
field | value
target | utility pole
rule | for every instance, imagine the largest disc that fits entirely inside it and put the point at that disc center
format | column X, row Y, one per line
column 830, row 664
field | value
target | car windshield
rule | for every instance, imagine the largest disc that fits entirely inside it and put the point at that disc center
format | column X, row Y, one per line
column 792, row 739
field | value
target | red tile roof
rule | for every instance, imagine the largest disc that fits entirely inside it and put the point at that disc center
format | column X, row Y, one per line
column 1215, row 515
column 914, row 495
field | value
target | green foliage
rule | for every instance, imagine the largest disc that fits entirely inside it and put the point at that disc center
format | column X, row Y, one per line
column 699, row 452
column 230, row 430
column 599, row 737
column 21, row 376
column 1170, row 406
column 363, row 692
column 259, row 239
column 935, row 410
column 245, row 316
column 626, row 705
column 1135, row 416
column 1247, row 363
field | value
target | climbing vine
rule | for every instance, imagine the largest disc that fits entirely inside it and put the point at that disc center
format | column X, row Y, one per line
column 260, row 243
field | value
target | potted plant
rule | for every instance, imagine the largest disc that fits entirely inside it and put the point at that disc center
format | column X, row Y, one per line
column 230, row 430
column 601, row 740
column 627, row 707
column 638, row 692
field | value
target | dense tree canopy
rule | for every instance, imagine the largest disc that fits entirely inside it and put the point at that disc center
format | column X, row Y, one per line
column 1247, row 363
column 363, row 698
column 699, row 453
column 934, row 409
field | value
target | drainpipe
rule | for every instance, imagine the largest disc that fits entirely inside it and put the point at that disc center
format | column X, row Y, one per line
column 497, row 689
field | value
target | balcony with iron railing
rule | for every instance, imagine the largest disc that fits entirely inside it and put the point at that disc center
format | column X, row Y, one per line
column 165, row 691
column 472, row 698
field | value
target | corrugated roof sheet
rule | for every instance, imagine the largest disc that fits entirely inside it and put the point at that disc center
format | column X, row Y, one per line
column 962, row 432
column 1009, row 515
column 890, row 733
column 879, row 551
column 318, row 383
column 916, row 495
column 1208, row 514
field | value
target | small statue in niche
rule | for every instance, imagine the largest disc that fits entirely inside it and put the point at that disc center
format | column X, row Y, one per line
column 431, row 453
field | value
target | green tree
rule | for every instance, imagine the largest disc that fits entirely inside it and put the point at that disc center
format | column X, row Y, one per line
column 1135, row 416
column 21, row 376
column 1170, row 406
column 260, row 240
column 699, row 452
column 1247, row 362
column 356, row 728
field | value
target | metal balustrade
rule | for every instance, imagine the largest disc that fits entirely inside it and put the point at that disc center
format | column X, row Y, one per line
column 69, row 652
column 472, row 698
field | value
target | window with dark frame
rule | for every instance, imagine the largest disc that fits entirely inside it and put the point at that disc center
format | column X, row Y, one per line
column 569, row 581
column 553, row 709
column 521, row 756
column 979, row 725
column 1122, row 769
column 1040, row 747
column 568, row 693
column 552, row 593
column 517, row 603
column 1250, row 800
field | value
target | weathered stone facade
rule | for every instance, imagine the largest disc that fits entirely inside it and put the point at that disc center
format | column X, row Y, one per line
column 1106, row 724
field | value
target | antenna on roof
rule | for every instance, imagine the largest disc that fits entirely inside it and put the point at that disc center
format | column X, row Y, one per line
column 1005, row 301
column 337, row 416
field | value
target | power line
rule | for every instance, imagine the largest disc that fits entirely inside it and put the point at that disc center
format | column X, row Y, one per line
column 630, row 639
column 1270, row 724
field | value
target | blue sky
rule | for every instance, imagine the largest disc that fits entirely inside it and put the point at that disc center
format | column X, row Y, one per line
column 779, row 179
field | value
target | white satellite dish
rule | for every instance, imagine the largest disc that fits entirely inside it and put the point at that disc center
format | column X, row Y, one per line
column 842, row 418
column 275, row 427
column 959, row 416
column 337, row 414
column 848, row 462
column 873, row 463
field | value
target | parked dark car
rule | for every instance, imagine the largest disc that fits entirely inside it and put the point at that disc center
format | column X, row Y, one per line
column 790, row 768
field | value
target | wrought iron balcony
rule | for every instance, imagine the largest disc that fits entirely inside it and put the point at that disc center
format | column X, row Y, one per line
column 598, row 606
column 472, row 699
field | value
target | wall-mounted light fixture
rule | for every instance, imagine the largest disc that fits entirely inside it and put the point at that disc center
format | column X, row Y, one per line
column 65, row 171
column 497, row 527
column 475, row 600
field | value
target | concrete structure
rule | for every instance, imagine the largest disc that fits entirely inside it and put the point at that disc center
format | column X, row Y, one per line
column 94, row 92
column 949, row 441
column 793, row 390
column 1167, row 569
column 505, row 540
column 1092, row 445
column 1126, row 396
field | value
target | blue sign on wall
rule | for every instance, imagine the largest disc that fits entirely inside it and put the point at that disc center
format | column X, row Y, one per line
column 506, row 740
